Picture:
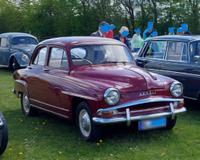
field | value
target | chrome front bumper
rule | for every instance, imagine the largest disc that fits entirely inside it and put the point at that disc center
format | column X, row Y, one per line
column 128, row 118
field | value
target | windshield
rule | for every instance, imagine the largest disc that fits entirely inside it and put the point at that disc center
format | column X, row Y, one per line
column 23, row 40
column 100, row 54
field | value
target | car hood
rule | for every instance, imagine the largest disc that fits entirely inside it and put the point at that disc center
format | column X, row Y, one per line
column 125, row 77
column 25, row 48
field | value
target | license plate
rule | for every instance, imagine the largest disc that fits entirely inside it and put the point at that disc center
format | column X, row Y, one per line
column 152, row 123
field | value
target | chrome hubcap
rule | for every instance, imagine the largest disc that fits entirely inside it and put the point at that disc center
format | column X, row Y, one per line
column 84, row 123
column 26, row 103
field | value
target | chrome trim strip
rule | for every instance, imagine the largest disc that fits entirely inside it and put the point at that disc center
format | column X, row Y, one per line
column 182, row 73
column 135, row 118
column 78, row 95
column 139, row 102
column 190, row 98
column 52, row 106
column 3, row 65
column 150, row 109
column 46, row 110
column 172, row 110
column 128, row 116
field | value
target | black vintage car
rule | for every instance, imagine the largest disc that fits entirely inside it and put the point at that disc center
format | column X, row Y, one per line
column 174, row 56
column 16, row 49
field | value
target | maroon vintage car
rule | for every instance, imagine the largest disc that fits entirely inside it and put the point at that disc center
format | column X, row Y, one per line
column 95, row 82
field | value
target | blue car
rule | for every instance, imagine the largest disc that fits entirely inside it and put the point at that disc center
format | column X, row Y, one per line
column 16, row 49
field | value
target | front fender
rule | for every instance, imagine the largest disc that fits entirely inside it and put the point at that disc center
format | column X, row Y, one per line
column 18, row 56
column 20, row 86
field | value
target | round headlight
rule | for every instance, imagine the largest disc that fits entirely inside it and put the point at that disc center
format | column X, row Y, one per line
column 25, row 58
column 176, row 89
column 111, row 96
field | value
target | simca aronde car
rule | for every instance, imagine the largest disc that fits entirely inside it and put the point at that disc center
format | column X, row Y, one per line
column 177, row 57
column 16, row 49
column 96, row 82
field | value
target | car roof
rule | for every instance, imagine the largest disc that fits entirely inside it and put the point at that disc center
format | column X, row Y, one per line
column 185, row 38
column 81, row 40
column 15, row 34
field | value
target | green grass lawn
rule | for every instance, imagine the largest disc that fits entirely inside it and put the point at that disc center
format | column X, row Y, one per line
column 49, row 138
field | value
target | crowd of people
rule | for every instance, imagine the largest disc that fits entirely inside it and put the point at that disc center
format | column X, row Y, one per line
column 135, row 43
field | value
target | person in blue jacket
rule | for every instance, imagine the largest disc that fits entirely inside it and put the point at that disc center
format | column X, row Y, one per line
column 148, row 31
column 154, row 34
column 171, row 31
column 180, row 31
column 185, row 28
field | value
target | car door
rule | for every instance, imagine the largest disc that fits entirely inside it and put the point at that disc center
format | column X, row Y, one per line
column 36, row 79
column 57, row 73
column 4, row 51
column 176, row 64
column 193, row 71
column 152, row 55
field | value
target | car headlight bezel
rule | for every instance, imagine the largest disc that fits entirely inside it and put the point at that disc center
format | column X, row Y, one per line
column 112, row 96
column 25, row 58
column 176, row 89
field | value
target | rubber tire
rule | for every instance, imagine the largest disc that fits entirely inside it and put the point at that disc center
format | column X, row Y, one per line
column 32, row 111
column 17, row 66
column 95, row 133
column 171, row 123
column 3, row 135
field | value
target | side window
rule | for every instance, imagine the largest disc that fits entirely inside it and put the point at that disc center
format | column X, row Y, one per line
column 78, row 56
column 195, row 52
column 4, row 42
column 177, row 51
column 58, row 58
column 156, row 49
column 41, row 57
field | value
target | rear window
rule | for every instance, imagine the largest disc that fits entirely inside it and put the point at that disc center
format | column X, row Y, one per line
column 23, row 40
column 177, row 51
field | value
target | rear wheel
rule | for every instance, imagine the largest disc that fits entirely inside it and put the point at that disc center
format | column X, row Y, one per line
column 13, row 65
column 87, row 128
column 27, row 109
column 3, row 134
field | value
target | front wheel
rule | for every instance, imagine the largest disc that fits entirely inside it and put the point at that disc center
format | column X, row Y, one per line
column 87, row 128
column 3, row 134
column 27, row 109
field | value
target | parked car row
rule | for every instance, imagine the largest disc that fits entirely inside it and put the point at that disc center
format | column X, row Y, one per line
column 82, row 79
